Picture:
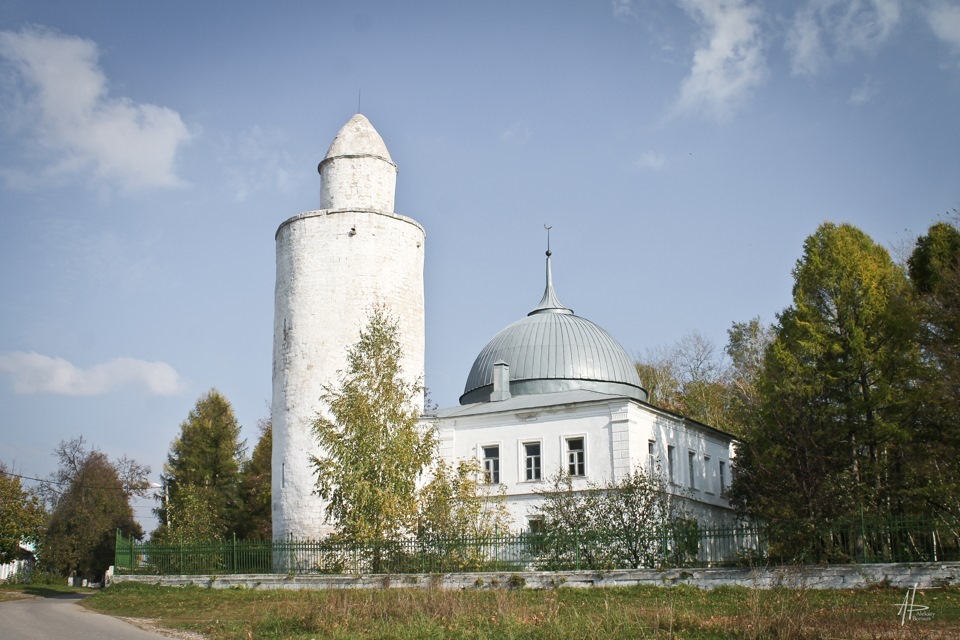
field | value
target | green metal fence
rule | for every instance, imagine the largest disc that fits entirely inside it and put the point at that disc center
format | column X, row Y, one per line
column 688, row 546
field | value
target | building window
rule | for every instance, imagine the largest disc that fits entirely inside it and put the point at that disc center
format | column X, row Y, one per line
column 651, row 457
column 670, row 462
column 723, row 478
column 691, row 468
column 576, row 458
column 708, row 484
column 531, row 457
column 535, row 524
column 491, row 464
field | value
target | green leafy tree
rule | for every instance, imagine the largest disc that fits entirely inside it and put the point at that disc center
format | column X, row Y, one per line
column 93, row 505
column 255, row 521
column 688, row 378
column 21, row 516
column 207, row 455
column 934, row 465
column 457, row 506
column 617, row 524
column 194, row 517
column 747, row 345
column 458, row 503
column 374, row 449
column 835, row 390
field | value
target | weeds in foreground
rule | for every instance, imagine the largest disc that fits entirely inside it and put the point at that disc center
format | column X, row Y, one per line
column 786, row 612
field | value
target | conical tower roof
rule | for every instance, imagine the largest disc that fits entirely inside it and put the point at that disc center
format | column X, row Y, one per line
column 358, row 138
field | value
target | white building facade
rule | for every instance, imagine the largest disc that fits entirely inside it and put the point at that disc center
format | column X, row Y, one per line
column 554, row 391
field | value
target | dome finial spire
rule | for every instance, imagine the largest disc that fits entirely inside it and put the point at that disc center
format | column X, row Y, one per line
column 549, row 301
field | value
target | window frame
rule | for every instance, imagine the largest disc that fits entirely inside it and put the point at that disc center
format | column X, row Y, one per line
column 525, row 458
column 488, row 476
column 671, row 464
column 708, row 481
column 722, row 470
column 568, row 463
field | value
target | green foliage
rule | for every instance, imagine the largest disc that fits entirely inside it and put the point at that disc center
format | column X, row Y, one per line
column 374, row 449
column 934, row 469
column 457, row 502
column 619, row 524
column 255, row 489
column 747, row 344
column 21, row 516
column 457, row 505
column 206, row 456
column 835, row 390
column 689, row 378
column 81, row 531
column 194, row 516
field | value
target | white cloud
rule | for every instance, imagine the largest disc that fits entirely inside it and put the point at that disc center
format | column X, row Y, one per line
column 64, row 106
column 651, row 160
column 624, row 10
column 824, row 29
column 518, row 133
column 944, row 19
column 865, row 92
column 730, row 64
column 36, row 373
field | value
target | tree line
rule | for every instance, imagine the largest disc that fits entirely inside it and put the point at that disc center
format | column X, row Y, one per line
column 209, row 490
column 847, row 407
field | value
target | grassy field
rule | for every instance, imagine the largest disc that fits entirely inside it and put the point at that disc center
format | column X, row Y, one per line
column 640, row 612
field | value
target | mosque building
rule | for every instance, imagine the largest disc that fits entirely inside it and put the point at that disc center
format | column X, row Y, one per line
column 550, row 391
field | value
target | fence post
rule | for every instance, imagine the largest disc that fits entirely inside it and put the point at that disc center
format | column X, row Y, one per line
column 234, row 565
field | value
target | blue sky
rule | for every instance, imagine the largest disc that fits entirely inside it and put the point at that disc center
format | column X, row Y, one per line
column 681, row 149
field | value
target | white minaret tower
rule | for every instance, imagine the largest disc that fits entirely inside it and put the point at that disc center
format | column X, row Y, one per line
column 333, row 266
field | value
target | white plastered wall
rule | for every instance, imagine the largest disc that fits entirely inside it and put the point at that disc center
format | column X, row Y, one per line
column 616, row 433
column 333, row 266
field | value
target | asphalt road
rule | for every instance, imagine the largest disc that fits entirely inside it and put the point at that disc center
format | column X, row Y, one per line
column 61, row 618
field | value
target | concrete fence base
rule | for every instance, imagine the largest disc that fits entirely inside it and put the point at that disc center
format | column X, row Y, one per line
column 903, row 575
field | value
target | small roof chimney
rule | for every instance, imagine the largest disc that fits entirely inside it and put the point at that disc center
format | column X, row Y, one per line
column 501, row 381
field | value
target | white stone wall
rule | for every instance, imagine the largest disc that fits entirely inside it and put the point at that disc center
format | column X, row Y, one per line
column 617, row 433
column 361, row 182
column 333, row 266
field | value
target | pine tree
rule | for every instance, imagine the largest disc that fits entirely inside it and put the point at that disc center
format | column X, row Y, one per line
column 835, row 390
column 934, row 268
column 207, row 455
column 255, row 521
